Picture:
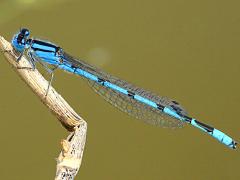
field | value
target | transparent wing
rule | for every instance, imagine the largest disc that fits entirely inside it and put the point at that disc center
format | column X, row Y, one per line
column 134, row 108
column 127, row 104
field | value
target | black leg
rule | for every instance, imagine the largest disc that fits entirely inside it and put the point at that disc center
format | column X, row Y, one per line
column 51, row 71
column 19, row 58
column 49, row 84
column 31, row 61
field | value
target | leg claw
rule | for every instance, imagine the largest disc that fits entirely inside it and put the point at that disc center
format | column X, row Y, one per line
column 7, row 51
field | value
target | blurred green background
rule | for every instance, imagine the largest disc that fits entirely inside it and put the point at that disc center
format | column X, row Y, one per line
column 187, row 50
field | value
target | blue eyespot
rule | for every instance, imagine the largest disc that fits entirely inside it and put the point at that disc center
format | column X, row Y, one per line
column 25, row 32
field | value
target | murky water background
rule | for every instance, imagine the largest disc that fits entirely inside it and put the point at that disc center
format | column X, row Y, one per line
column 187, row 50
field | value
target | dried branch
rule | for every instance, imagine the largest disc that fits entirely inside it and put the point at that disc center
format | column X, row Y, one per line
column 70, row 158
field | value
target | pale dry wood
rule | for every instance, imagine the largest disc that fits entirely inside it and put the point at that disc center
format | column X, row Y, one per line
column 70, row 158
column 58, row 106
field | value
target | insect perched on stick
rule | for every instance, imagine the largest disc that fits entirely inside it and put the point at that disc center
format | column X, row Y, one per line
column 142, row 104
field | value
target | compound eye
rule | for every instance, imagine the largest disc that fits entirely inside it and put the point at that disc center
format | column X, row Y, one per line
column 20, row 38
column 27, row 33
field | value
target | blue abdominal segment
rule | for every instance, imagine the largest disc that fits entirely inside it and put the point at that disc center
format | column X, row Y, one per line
column 220, row 136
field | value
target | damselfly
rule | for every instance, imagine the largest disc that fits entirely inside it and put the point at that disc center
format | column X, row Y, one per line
column 142, row 104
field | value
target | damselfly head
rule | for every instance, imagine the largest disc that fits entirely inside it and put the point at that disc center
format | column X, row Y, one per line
column 25, row 32
column 20, row 39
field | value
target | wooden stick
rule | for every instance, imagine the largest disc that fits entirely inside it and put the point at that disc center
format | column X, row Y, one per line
column 70, row 158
